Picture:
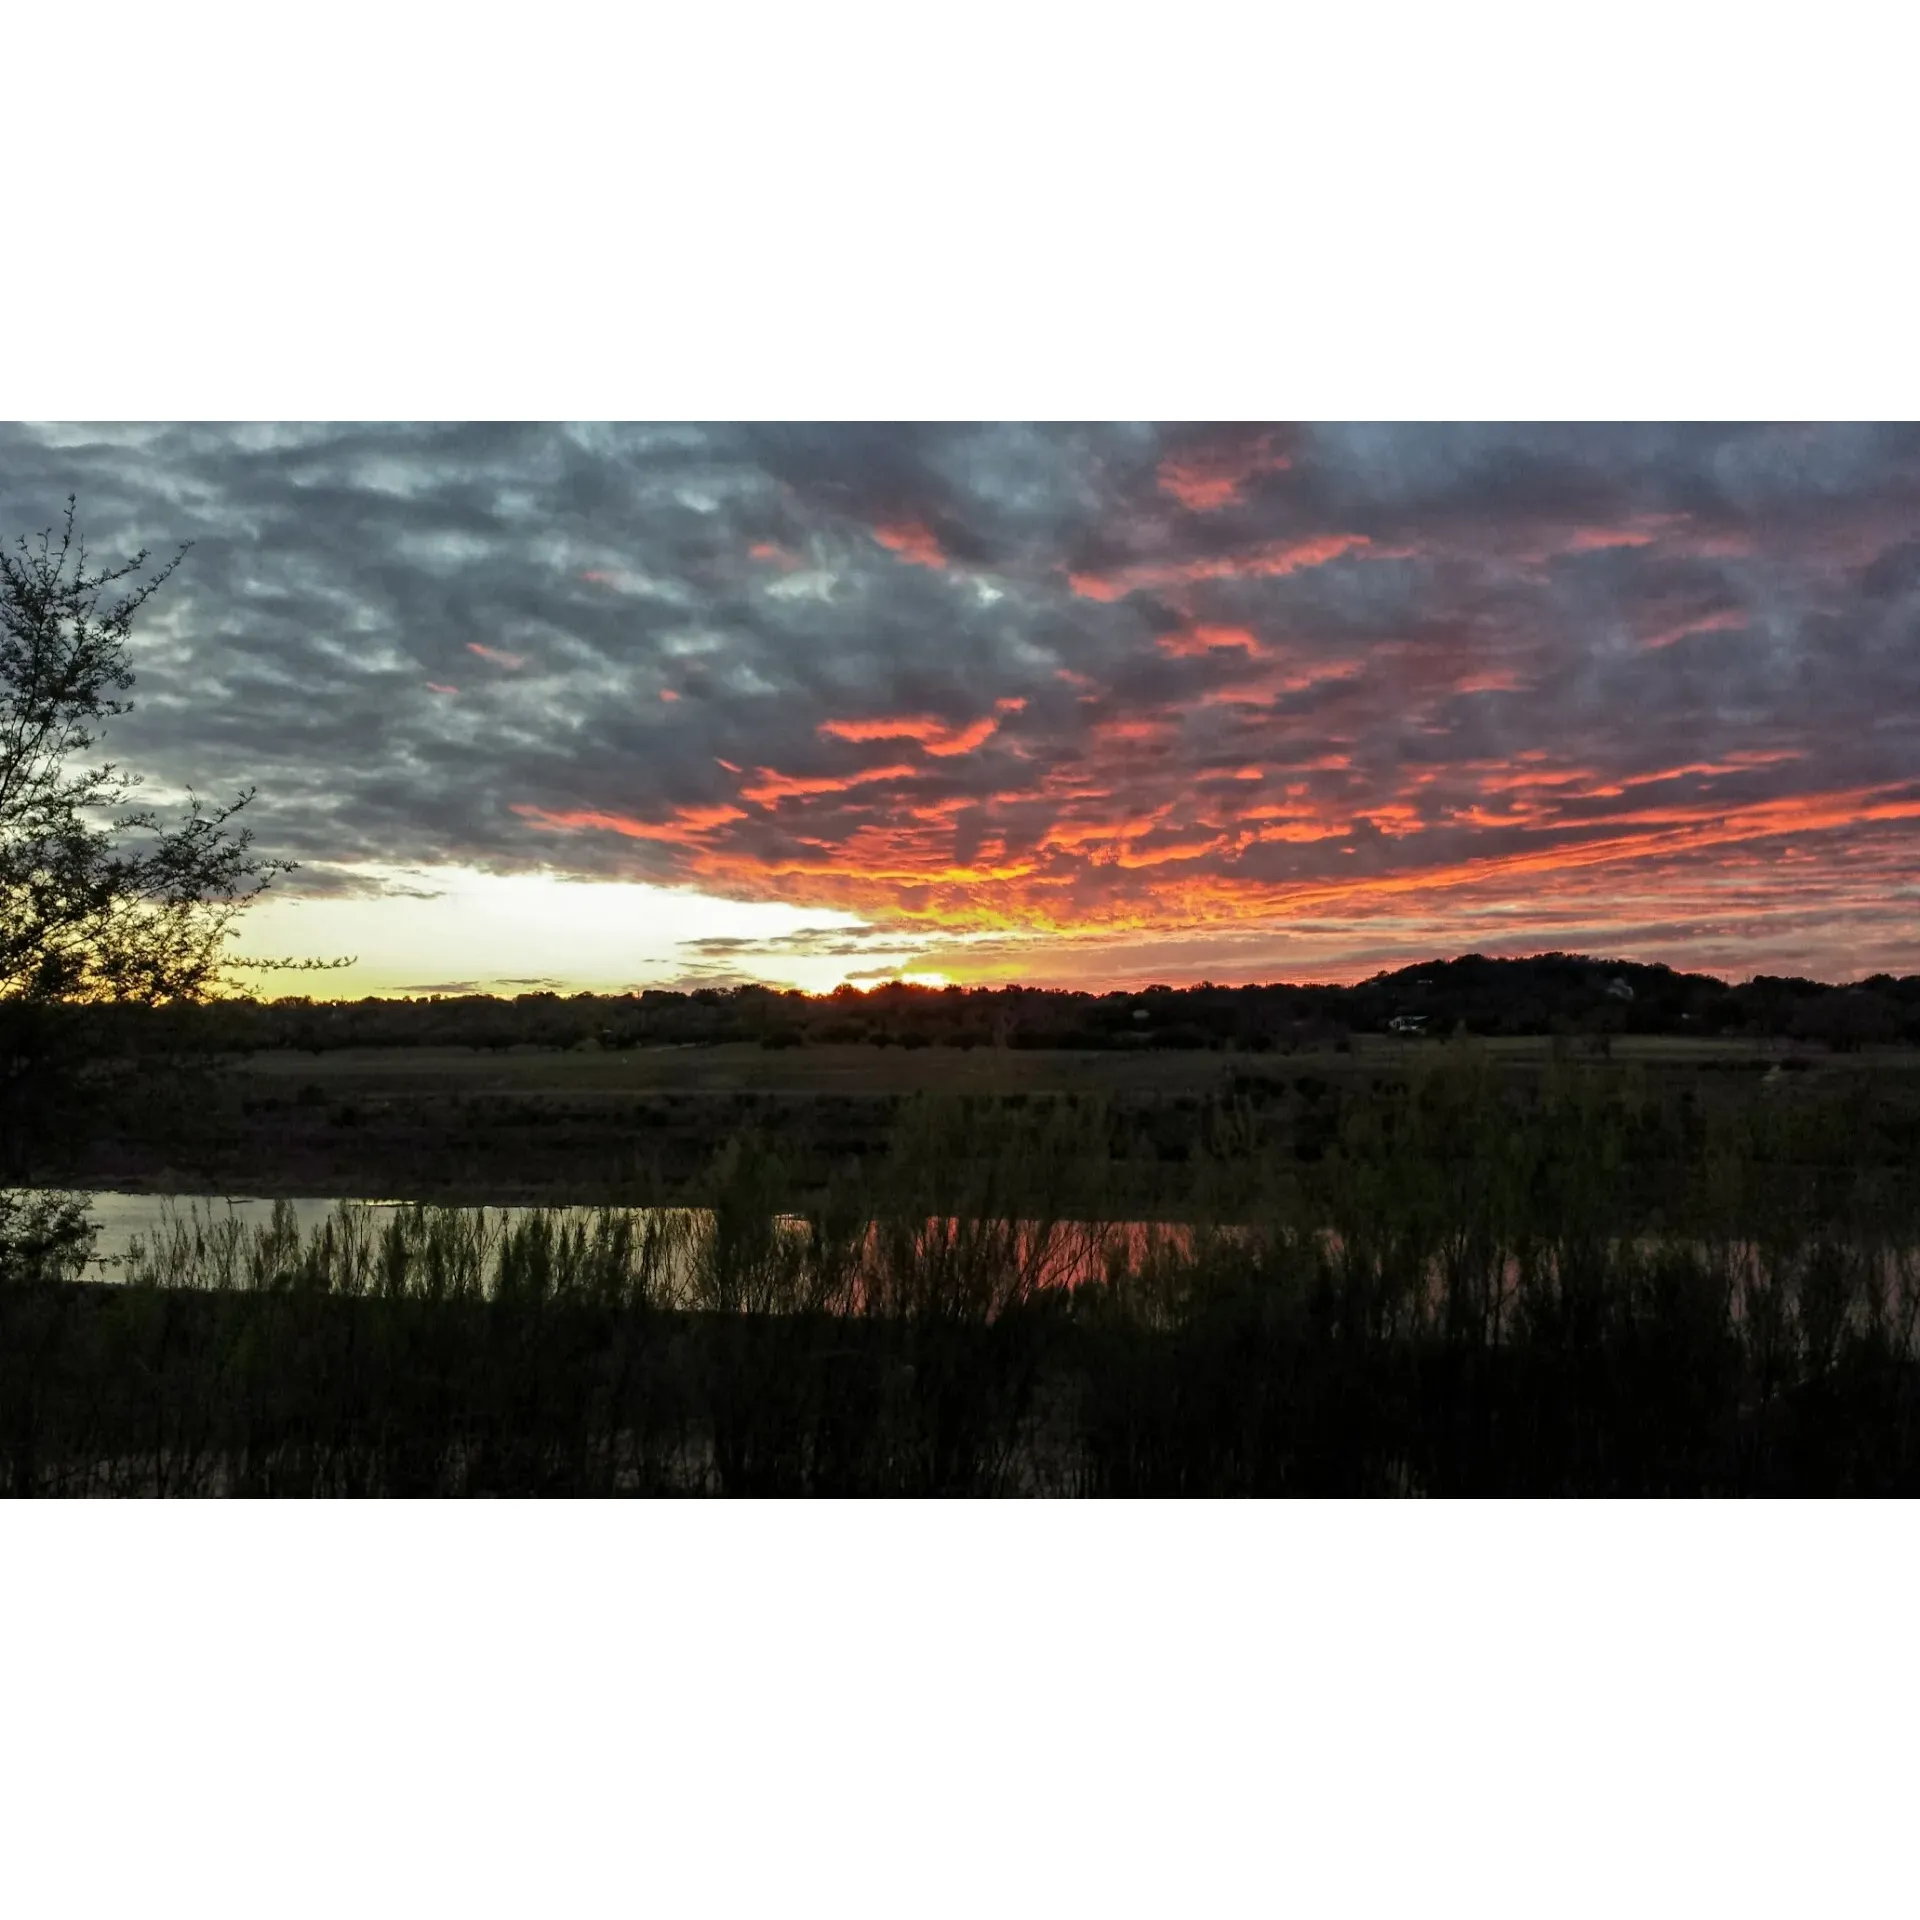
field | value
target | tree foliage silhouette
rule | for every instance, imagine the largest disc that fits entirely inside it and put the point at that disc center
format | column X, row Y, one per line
column 102, row 902
column 99, row 900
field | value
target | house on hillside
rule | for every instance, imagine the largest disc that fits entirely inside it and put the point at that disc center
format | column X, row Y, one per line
column 1407, row 1023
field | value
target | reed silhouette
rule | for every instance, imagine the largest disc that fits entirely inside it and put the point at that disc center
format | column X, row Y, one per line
column 1468, row 1290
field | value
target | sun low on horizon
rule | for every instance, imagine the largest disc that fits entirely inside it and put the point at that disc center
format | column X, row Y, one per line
column 602, row 708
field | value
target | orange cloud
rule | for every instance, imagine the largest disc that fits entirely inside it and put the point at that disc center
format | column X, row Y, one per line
column 1084, row 833
column 1534, row 777
column 1133, row 732
column 780, row 786
column 1197, row 642
column 1169, row 867
column 774, row 554
column 513, row 662
column 1692, row 831
column 912, row 541
column 1641, row 530
column 688, row 826
column 1394, row 820
column 930, row 732
column 1599, row 539
column 1263, row 689
column 1761, row 819
column 1673, row 533
column 1732, row 620
column 943, row 809
column 1733, row 763
column 1130, row 816
column 434, row 686
column 1275, row 558
column 1272, row 810
column 966, row 739
column 1131, row 859
column 1207, row 479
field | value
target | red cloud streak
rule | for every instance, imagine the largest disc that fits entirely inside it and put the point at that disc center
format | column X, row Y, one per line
column 512, row 662
column 1273, row 560
column 912, row 542
column 1209, row 478
column 933, row 735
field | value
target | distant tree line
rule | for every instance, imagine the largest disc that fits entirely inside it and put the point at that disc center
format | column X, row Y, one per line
column 1551, row 994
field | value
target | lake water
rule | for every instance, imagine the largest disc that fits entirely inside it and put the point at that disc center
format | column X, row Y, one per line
column 1074, row 1253
column 1079, row 1251
column 121, row 1217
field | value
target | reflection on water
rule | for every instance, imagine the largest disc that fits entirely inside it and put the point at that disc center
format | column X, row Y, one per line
column 1064, row 1253
column 124, row 1217
column 1026, row 1254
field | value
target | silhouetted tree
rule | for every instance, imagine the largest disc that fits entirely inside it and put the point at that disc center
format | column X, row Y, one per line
column 101, row 902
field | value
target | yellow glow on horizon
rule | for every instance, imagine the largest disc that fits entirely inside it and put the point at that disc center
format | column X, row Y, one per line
column 453, row 929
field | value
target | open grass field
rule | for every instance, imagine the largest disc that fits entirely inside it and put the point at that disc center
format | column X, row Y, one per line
column 740, row 1067
column 639, row 1126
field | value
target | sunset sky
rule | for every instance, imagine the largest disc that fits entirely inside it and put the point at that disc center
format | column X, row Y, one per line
column 607, row 707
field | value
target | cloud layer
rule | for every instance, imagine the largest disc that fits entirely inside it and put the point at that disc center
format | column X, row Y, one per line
column 1072, row 702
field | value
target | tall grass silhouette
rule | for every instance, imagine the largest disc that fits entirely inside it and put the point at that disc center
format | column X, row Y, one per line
column 1470, row 1290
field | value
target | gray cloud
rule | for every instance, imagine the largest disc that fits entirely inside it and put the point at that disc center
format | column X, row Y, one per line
column 1441, row 649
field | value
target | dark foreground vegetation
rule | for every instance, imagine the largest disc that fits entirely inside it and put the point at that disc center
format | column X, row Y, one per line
column 1470, row 1286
